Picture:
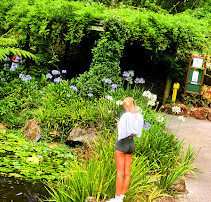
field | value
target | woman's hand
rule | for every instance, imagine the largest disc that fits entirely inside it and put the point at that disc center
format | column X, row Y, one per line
column 117, row 122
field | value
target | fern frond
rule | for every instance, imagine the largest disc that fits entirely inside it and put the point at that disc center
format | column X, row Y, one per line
column 8, row 42
column 6, row 49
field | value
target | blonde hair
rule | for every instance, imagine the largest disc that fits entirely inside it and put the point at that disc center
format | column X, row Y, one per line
column 129, row 101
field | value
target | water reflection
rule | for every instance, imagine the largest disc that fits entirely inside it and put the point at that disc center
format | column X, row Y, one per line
column 12, row 189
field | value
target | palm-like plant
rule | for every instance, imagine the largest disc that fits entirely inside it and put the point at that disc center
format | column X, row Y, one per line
column 7, row 46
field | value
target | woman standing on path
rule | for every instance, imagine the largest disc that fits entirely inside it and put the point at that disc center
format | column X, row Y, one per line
column 129, row 125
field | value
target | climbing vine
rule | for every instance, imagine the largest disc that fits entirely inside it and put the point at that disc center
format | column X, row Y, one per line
column 106, row 58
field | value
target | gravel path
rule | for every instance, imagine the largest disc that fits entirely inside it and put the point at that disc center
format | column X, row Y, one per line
column 198, row 134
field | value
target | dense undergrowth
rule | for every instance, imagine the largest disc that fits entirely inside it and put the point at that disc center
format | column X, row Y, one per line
column 159, row 160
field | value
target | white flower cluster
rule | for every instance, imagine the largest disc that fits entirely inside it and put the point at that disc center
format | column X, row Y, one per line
column 119, row 102
column 151, row 97
column 181, row 118
column 160, row 118
column 176, row 109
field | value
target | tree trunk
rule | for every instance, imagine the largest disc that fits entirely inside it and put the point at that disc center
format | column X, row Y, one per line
column 167, row 89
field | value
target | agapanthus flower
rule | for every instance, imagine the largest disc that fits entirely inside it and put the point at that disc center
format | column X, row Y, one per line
column 176, row 109
column 55, row 72
column 28, row 77
column 147, row 125
column 90, row 95
column 90, row 88
column 153, row 97
column 114, row 85
column 160, row 118
column 108, row 97
column 147, row 94
column 139, row 109
column 151, row 103
column 49, row 76
column 68, row 95
column 7, row 59
column 129, row 79
column 126, row 74
column 6, row 65
column 12, row 69
column 74, row 88
column 64, row 71
column 139, row 80
column 3, row 79
column 57, row 80
column 131, row 72
column 108, row 81
column 112, row 90
column 181, row 118
column 25, row 79
column 119, row 102
column 21, row 76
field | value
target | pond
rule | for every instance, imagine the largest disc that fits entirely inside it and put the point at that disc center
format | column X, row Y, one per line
column 16, row 190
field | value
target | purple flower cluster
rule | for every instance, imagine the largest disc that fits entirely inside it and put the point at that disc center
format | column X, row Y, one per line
column 108, row 81
column 73, row 88
column 12, row 69
column 3, row 79
column 25, row 78
column 56, row 72
column 129, row 77
column 139, row 80
column 90, row 95
column 57, row 80
column 6, row 65
column 49, row 76
column 114, row 85
column 147, row 125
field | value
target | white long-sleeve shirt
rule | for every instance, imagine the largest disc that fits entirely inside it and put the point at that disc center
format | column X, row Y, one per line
column 130, row 123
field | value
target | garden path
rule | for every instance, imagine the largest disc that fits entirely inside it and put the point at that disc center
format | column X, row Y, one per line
column 198, row 134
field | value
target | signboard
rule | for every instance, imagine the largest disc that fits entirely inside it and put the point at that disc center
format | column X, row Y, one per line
column 195, row 75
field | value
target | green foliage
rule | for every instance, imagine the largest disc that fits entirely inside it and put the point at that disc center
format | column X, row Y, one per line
column 105, row 63
column 44, row 26
column 31, row 160
column 5, row 49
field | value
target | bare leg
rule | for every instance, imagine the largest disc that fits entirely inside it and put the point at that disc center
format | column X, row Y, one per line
column 128, row 160
column 120, row 167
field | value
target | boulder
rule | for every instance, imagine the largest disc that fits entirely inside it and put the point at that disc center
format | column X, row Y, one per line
column 199, row 112
column 84, row 135
column 167, row 108
column 185, row 111
column 32, row 130
column 209, row 114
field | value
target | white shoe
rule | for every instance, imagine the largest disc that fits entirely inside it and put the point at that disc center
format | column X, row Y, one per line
column 113, row 200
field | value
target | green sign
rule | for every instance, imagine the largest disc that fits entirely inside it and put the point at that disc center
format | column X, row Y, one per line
column 194, row 80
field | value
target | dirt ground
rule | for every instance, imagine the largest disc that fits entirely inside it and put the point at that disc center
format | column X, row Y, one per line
column 198, row 134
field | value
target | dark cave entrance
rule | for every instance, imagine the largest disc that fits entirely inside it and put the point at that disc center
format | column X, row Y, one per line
column 135, row 57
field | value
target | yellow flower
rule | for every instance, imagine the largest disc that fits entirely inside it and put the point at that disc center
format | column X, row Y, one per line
column 33, row 159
